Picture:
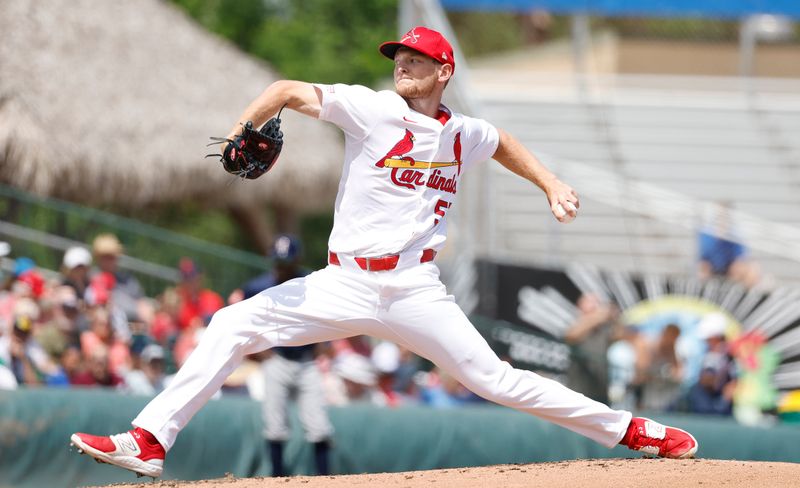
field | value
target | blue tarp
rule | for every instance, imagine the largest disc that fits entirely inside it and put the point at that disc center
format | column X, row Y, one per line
column 638, row 8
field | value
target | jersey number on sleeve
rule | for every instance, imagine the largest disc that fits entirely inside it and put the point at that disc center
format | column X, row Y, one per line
column 441, row 208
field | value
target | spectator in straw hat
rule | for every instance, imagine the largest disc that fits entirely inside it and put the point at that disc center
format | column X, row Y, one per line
column 126, row 292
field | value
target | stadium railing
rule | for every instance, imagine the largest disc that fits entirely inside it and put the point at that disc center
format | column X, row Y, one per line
column 43, row 228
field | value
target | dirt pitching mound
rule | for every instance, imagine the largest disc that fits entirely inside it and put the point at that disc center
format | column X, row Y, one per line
column 598, row 473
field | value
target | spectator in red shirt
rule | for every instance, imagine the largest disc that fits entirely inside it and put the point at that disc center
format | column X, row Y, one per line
column 97, row 372
column 101, row 336
column 125, row 289
column 197, row 304
column 165, row 320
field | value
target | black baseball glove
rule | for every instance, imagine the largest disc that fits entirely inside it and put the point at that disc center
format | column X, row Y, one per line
column 253, row 152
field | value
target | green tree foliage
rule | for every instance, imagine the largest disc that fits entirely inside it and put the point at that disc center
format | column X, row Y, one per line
column 313, row 40
column 482, row 33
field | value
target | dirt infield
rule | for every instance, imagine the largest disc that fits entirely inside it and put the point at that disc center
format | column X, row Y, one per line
column 599, row 473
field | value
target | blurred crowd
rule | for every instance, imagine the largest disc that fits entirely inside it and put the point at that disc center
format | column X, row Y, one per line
column 91, row 325
column 687, row 361
column 704, row 366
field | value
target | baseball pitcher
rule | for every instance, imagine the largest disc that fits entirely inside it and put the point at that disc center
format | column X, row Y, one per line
column 404, row 156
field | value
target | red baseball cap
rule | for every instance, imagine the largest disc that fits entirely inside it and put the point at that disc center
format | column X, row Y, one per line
column 424, row 40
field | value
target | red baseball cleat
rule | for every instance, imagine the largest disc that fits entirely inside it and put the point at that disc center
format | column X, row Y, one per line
column 659, row 440
column 136, row 450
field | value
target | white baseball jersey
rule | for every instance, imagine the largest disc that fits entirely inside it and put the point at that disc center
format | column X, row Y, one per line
column 401, row 172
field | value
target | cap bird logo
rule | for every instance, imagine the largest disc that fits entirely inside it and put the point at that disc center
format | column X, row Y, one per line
column 412, row 36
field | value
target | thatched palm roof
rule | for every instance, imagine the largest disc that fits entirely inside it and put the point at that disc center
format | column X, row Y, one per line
column 112, row 101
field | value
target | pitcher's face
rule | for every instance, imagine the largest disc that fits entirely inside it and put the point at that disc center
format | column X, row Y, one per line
column 415, row 74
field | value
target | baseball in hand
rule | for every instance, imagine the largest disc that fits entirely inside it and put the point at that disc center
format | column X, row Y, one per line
column 567, row 218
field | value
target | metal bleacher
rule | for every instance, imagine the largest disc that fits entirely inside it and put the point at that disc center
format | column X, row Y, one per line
column 649, row 156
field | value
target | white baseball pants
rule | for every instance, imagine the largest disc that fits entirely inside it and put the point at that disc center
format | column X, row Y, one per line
column 407, row 305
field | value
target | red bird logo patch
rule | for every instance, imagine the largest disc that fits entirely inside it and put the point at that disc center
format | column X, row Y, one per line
column 403, row 146
column 410, row 173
